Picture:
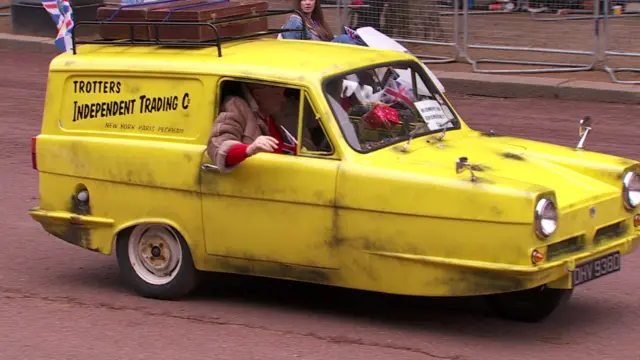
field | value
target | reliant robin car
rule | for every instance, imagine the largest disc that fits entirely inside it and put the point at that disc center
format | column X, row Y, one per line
column 421, row 205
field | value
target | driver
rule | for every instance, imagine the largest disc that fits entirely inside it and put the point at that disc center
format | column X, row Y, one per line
column 246, row 127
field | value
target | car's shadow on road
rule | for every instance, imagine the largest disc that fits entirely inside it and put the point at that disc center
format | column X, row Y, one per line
column 461, row 316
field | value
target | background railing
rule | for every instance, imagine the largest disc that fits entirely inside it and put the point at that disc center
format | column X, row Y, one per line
column 519, row 36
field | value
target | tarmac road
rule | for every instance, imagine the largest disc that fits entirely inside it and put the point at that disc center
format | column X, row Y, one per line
column 62, row 302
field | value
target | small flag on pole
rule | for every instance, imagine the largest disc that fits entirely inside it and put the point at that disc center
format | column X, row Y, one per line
column 62, row 15
column 396, row 91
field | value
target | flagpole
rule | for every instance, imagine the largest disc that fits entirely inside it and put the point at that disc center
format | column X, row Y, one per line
column 73, row 28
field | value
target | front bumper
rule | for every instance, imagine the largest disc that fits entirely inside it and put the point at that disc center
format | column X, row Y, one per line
column 458, row 277
column 625, row 246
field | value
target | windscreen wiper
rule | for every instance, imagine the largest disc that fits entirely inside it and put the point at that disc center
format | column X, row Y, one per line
column 411, row 136
column 444, row 130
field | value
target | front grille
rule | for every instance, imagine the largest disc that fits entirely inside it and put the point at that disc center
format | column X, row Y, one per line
column 565, row 247
column 610, row 232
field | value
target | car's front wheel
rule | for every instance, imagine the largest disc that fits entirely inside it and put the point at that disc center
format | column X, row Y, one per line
column 156, row 261
column 531, row 305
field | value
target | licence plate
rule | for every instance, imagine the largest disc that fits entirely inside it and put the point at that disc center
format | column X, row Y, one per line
column 596, row 268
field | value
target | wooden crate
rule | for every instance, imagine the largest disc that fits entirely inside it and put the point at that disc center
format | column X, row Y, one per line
column 187, row 11
column 211, row 11
column 133, row 13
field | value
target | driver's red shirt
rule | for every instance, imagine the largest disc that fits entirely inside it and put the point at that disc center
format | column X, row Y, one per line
column 238, row 153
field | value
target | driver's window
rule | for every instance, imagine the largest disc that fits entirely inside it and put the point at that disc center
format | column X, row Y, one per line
column 314, row 139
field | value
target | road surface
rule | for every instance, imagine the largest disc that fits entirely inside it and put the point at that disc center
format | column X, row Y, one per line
column 62, row 302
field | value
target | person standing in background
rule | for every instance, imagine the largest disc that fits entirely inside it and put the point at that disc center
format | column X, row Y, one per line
column 317, row 27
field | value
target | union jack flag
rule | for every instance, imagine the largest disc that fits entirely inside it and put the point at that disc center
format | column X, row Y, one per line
column 354, row 35
column 62, row 15
column 289, row 143
column 397, row 91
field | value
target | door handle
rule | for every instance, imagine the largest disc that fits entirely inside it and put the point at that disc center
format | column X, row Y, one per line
column 209, row 167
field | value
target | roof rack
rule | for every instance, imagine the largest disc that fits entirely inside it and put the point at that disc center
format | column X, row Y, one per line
column 156, row 24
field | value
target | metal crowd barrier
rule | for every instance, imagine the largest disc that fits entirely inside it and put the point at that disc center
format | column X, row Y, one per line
column 536, row 36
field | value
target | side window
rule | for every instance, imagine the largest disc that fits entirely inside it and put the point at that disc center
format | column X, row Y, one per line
column 296, row 120
column 424, row 94
column 312, row 135
column 419, row 86
column 281, row 101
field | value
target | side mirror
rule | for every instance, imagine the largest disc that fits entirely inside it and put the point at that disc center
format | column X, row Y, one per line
column 583, row 130
column 463, row 164
column 585, row 123
column 460, row 164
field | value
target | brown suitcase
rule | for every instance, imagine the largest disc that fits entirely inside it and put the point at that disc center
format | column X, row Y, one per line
column 133, row 13
column 210, row 11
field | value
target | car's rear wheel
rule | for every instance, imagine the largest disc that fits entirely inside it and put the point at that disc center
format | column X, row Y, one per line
column 531, row 305
column 156, row 262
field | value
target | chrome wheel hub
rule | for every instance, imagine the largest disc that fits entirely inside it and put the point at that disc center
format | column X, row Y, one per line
column 155, row 253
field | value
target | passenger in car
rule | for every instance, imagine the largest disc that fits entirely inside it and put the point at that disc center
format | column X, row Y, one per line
column 317, row 27
column 248, row 126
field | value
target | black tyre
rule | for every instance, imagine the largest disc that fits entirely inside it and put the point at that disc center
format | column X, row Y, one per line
column 531, row 305
column 156, row 262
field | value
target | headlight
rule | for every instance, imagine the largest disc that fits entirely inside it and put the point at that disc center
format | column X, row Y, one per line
column 631, row 189
column 546, row 217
